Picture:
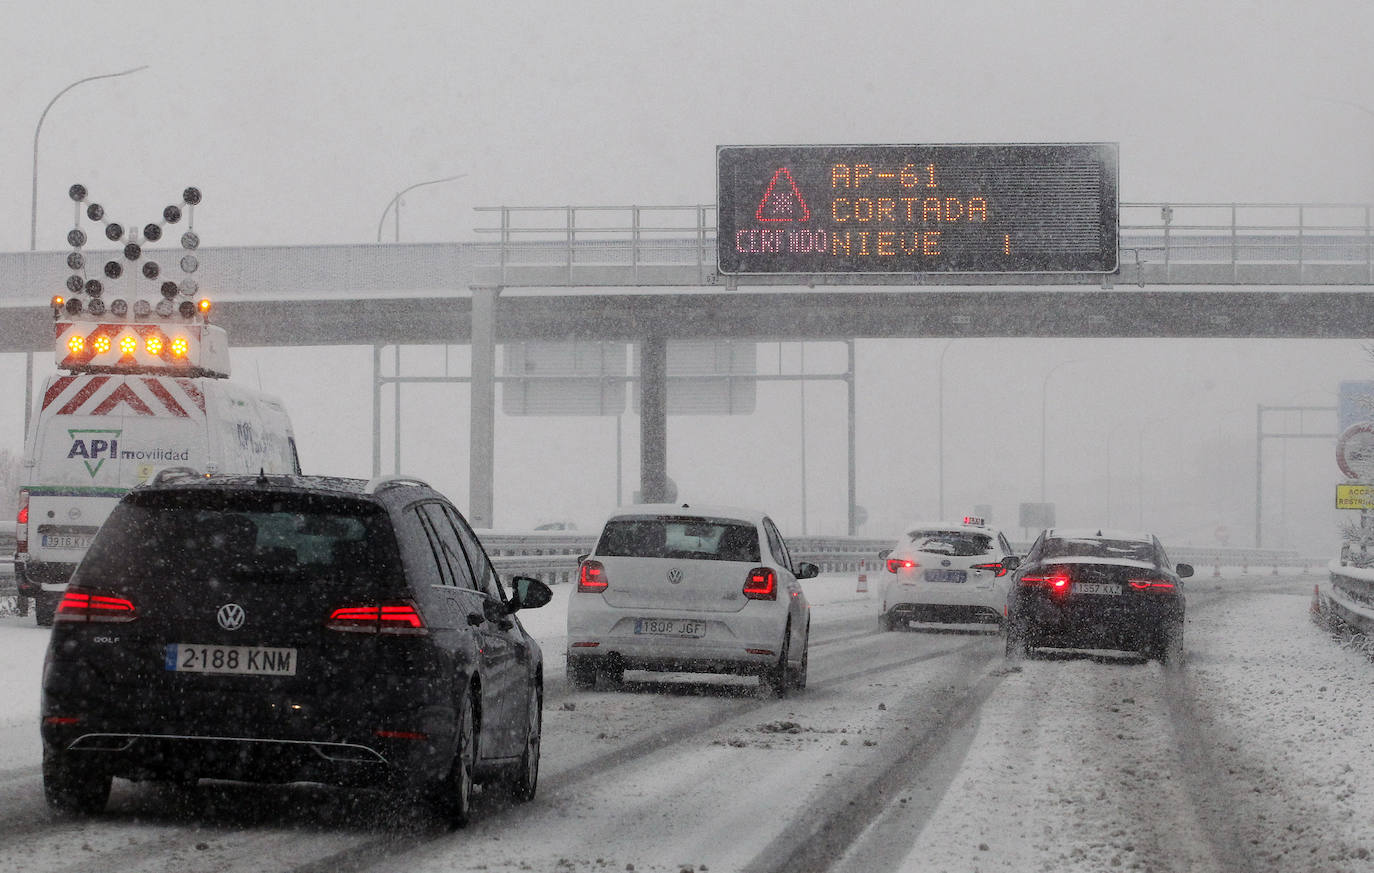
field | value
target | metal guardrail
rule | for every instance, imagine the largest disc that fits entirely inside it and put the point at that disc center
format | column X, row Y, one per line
column 1347, row 606
column 553, row 557
column 1160, row 243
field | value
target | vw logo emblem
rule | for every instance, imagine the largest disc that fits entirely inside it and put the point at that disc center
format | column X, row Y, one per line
column 945, row 563
column 675, row 575
column 230, row 616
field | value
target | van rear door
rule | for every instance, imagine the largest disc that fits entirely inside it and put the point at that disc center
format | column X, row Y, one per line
column 97, row 436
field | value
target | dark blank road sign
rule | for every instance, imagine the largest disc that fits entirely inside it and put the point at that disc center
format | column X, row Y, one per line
column 991, row 208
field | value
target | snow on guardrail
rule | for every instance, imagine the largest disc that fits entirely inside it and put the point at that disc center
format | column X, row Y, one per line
column 1346, row 607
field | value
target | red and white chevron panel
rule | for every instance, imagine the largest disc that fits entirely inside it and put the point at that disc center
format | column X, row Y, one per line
column 125, row 395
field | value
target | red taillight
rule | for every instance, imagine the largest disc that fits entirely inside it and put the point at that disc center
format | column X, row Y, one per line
column 21, row 523
column 897, row 565
column 62, row 720
column 84, row 604
column 591, row 577
column 1152, row 583
column 761, row 584
column 1053, row 581
column 995, row 566
column 401, row 735
column 400, row 617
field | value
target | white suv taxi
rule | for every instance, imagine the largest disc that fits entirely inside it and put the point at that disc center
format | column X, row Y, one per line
column 690, row 589
column 948, row 573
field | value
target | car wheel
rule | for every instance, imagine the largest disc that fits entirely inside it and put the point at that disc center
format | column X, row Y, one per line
column 612, row 672
column 452, row 798
column 581, row 675
column 44, row 608
column 799, row 677
column 1017, row 647
column 525, row 780
column 72, row 789
column 779, row 676
column 1168, row 645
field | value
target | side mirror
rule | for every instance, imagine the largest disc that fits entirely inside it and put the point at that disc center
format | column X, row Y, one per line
column 494, row 611
column 883, row 553
column 807, row 570
column 529, row 593
column 1184, row 570
column 1011, row 562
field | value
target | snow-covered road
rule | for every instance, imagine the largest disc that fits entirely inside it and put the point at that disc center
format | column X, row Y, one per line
column 909, row 751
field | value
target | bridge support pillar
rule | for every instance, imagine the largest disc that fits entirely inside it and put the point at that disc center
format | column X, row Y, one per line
column 482, row 454
column 653, row 419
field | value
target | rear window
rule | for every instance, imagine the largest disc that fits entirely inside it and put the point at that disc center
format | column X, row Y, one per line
column 271, row 538
column 666, row 537
column 1091, row 547
column 958, row 543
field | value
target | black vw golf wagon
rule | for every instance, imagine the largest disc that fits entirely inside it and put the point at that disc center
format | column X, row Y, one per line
column 291, row 628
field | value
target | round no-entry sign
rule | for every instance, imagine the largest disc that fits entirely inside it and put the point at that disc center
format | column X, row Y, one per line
column 1355, row 451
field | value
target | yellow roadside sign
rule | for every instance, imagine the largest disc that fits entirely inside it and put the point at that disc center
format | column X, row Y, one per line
column 1355, row 496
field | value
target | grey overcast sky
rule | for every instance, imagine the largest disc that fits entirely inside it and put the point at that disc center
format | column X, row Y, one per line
column 300, row 121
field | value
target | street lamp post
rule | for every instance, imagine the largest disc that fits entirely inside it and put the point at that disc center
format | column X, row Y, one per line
column 396, row 203
column 940, row 419
column 33, row 218
column 1044, row 393
column 33, row 223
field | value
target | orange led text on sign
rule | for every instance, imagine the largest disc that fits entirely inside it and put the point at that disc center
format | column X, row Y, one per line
column 782, row 201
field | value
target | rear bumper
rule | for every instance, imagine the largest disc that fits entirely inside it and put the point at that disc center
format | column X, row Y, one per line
column 1079, row 626
column 748, row 641
column 139, row 756
column 33, row 577
column 956, row 594
column 736, row 662
column 741, row 645
column 946, row 613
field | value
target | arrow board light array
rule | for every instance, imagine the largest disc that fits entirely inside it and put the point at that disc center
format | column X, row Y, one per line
column 133, row 316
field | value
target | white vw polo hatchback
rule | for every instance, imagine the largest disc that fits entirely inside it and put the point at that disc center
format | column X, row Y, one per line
column 688, row 589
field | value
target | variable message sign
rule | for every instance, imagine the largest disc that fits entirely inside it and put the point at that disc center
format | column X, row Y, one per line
column 1008, row 208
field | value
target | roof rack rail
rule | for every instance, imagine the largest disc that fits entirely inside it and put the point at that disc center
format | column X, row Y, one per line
column 394, row 481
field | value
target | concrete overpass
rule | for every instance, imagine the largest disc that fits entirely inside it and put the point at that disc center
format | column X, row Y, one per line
column 647, row 275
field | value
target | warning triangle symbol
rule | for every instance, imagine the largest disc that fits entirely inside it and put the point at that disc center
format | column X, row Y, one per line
column 782, row 201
